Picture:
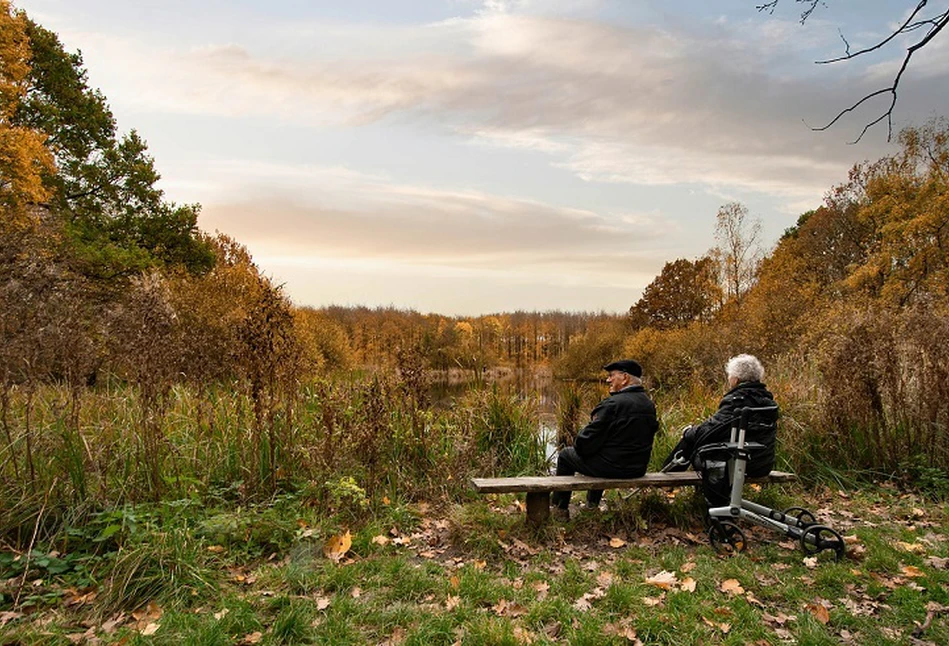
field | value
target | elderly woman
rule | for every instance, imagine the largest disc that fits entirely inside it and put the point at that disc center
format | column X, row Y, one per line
column 745, row 389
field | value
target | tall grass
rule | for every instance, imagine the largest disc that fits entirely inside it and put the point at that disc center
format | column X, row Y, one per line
column 368, row 428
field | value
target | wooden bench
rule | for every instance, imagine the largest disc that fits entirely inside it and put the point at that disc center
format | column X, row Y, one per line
column 539, row 488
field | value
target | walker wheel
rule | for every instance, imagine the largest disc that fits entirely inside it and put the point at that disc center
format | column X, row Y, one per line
column 726, row 537
column 817, row 538
column 804, row 517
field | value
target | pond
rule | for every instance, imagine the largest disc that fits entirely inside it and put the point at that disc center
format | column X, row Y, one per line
column 539, row 386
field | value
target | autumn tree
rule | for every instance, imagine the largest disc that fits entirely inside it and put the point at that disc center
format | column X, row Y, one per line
column 683, row 292
column 738, row 250
column 24, row 158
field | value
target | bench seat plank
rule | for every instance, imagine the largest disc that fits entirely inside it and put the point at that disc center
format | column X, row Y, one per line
column 583, row 483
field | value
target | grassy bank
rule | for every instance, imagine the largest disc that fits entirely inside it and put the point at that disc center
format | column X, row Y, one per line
column 474, row 574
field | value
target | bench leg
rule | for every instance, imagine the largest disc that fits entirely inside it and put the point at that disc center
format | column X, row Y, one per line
column 538, row 507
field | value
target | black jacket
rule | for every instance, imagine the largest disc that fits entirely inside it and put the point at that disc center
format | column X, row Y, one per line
column 762, row 427
column 617, row 442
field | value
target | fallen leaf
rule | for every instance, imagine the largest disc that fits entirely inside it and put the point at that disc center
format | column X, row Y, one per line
column 355, row 593
column 385, row 500
column 720, row 626
column 541, row 588
column 454, row 582
column 335, row 547
column 664, row 580
column 915, row 548
column 752, row 599
column 522, row 635
column 150, row 613
column 452, row 602
column 820, row 612
column 731, row 586
column 220, row 615
column 251, row 638
column 654, row 601
column 215, row 549
column 617, row 542
column 687, row 567
column 937, row 562
column 604, row 579
column 151, row 629
column 582, row 604
column 810, row 562
column 322, row 603
column 688, row 584
column 380, row 539
column 912, row 571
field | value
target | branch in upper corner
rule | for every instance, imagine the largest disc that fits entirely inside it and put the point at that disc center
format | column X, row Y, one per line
column 937, row 26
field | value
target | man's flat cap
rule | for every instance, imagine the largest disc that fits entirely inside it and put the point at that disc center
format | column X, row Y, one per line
column 625, row 365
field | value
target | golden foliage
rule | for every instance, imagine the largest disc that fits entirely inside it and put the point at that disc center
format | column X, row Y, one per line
column 23, row 155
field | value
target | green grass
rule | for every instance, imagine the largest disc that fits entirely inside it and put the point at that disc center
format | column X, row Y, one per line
column 475, row 574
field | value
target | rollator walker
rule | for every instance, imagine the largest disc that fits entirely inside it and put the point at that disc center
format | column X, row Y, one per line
column 722, row 466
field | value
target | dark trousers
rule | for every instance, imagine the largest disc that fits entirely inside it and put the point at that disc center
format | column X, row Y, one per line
column 569, row 462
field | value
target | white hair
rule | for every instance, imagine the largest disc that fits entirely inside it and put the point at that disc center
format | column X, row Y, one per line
column 744, row 367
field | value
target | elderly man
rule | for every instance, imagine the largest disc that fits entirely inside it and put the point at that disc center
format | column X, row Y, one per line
column 617, row 442
column 745, row 389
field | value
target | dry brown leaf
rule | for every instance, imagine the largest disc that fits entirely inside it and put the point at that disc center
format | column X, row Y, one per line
column 938, row 562
column 150, row 613
column 215, row 549
column 688, row 584
column 355, row 593
column 582, row 604
column 663, row 580
column 731, row 586
column 810, row 562
column 381, row 539
column 151, row 629
column 452, row 602
column 454, row 582
column 522, row 635
column 541, row 588
column 480, row 565
column 720, row 626
column 617, row 542
column 687, row 567
column 251, row 638
column 605, row 579
column 322, row 603
column 820, row 612
column 335, row 547
column 219, row 615
column 912, row 571
column 915, row 548
column 654, row 601
column 752, row 599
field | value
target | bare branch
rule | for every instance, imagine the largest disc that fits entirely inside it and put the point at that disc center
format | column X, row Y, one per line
column 770, row 6
column 882, row 43
column 892, row 89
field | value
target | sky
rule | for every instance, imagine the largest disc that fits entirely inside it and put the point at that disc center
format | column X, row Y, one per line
column 467, row 157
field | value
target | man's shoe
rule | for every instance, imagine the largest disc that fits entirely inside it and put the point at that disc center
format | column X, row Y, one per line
column 560, row 515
